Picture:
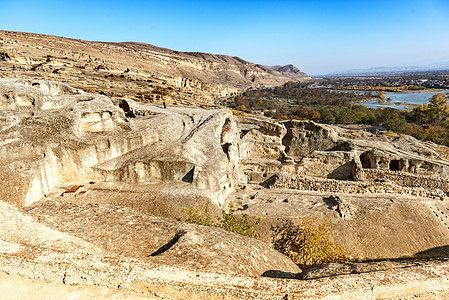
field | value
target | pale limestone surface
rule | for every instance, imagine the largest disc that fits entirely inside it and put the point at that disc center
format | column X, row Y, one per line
column 125, row 232
column 394, row 213
column 380, row 226
column 19, row 287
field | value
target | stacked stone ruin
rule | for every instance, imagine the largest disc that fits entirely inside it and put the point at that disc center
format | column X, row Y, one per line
column 407, row 179
column 306, row 183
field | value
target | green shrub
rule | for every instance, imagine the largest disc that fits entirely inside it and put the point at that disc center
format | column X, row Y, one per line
column 309, row 243
column 238, row 224
column 194, row 217
column 228, row 221
column 269, row 113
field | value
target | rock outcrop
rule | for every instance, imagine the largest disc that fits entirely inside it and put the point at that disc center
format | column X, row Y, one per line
column 394, row 188
column 333, row 152
column 35, row 258
column 289, row 70
column 53, row 135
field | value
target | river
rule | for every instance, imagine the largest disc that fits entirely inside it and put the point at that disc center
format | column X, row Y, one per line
column 404, row 100
column 401, row 100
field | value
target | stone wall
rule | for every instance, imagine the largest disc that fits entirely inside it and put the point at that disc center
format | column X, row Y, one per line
column 299, row 182
column 407, row 179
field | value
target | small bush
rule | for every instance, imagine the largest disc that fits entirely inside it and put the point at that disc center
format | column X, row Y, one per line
column 242, row 108
column 228, row 221
column 269, row 113
column 309, row 243
column 194, row 217
column 238, row 224
column 238, row 113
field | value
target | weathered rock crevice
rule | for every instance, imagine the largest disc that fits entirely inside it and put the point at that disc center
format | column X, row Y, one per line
column 170, row 244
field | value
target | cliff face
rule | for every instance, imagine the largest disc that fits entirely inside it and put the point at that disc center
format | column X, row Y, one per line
column 134, row 70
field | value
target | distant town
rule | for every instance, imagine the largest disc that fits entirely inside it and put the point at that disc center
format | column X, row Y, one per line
column 386, row 82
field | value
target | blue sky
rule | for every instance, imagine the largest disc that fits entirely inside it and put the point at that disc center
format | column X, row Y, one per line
column 317, row 36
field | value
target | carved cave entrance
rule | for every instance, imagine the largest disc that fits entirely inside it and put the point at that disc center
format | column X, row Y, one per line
column 396, row 165
column 367, row 160
column 189, row 176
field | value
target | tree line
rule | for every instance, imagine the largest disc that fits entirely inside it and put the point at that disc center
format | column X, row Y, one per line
column 295, row 101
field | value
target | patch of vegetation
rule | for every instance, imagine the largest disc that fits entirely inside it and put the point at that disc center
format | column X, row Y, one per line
column 309, row 243
column 238, row 113
column 195, row 217
column 227, row 220
column 292, row 94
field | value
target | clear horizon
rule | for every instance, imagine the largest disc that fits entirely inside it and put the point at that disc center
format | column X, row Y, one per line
column 319, row 38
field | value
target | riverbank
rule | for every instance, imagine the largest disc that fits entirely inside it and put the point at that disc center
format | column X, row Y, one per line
column 423, row 91
column 400, row 105
column 403, row 100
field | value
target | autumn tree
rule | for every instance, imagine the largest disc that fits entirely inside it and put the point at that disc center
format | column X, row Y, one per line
column 438, row 107
column 309, row 243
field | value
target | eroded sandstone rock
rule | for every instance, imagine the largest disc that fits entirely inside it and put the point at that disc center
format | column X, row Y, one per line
column 65, row 136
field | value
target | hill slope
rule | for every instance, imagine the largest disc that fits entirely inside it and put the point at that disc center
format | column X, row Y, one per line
column 135, row 70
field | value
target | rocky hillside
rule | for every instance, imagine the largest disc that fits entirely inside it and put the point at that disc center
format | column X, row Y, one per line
column 288, row 70
column 135, row 70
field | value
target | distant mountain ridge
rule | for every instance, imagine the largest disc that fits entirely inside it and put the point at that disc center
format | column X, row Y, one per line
column 389, row 70
column 288, row 70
